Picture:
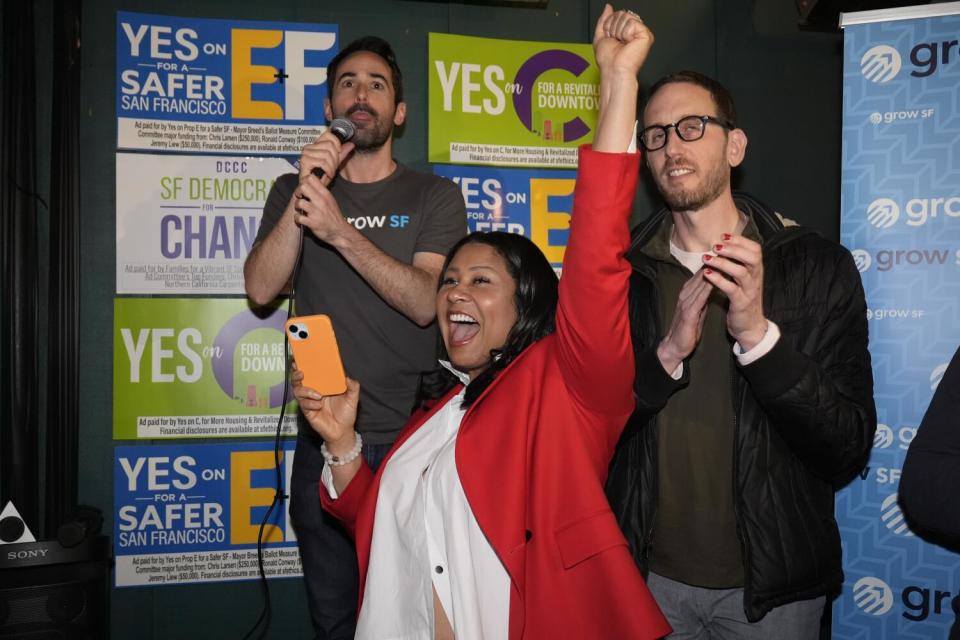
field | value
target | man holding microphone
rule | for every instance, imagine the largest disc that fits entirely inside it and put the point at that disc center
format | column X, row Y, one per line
column 374, row 237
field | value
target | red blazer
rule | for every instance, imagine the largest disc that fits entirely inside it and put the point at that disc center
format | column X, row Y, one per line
column 533, row 450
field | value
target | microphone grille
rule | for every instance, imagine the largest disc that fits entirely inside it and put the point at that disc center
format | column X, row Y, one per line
column 342, row 128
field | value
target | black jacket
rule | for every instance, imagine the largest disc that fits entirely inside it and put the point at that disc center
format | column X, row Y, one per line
column 931, row 471
column 805, row 416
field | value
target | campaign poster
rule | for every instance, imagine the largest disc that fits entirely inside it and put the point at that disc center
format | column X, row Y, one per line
column 192, row 513
column 221, row 86
column 185, row 224
column 536, row 203
column 900, row 216
column 510, row 103
column 198, row 368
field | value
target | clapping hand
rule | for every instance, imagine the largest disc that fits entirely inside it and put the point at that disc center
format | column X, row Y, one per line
column 737, row 270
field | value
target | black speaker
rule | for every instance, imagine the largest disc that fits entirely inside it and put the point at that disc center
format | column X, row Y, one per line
column 85, row 521
column 50, row 592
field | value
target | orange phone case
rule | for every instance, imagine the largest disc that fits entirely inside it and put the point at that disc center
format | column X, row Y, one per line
column 315, row 351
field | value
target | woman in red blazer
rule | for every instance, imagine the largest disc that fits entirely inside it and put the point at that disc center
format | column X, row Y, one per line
column 499, row 516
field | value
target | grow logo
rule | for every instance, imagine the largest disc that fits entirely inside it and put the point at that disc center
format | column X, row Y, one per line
column 880, row 64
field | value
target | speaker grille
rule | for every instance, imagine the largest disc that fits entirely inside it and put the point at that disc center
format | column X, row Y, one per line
column 72, row 605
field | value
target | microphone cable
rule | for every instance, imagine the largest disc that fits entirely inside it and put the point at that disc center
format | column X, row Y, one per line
column 344, row 130
column 279, row 496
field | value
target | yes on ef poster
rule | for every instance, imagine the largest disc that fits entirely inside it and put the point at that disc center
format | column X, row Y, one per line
column 192, row 513
column 536, row 203
column 220, row 86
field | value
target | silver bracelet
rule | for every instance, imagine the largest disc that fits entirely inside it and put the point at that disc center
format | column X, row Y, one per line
column 339, row 461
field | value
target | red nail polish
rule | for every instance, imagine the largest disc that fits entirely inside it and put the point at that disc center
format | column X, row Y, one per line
column 708, row 257
column 727, row 236
column 718, row 248
column 708, row 271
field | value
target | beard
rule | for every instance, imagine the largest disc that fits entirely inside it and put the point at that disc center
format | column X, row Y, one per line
column 374, row 134
column 678, row 199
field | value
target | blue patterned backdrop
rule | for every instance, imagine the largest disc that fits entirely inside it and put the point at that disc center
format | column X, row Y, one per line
column 900, row 216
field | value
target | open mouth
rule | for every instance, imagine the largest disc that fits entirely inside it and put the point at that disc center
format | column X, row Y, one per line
column 678, row 172
column 462, row 328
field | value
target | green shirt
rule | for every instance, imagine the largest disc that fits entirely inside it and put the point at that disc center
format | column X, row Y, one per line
column 695, row 538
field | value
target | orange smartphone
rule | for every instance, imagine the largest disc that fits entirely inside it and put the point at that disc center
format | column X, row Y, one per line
column 315, row 351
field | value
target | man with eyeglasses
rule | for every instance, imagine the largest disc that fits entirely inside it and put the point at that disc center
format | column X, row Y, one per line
column 753, row 385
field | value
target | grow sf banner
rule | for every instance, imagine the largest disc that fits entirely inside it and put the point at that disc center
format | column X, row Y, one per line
column 507, row 102
column 192, row 513
column 220, row 86
column 189, row 368
column 900, row 208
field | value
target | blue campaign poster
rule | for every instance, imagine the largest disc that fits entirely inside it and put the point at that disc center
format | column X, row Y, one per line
column 220, row 86
column 192, row 513
column 536, row 203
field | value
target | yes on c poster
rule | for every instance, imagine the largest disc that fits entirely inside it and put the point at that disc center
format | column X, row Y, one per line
column 510, row 103
column 189, row 368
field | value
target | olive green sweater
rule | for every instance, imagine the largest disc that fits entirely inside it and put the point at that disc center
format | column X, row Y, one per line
column 695, row 538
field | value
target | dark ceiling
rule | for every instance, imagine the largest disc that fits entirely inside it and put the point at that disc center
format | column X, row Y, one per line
column 825, row 14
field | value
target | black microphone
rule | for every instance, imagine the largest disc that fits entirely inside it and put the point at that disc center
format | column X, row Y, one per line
column 344, row 130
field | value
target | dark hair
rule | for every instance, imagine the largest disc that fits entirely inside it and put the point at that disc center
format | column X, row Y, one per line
column 373, row 44
column 535, row 298
column 721, row 97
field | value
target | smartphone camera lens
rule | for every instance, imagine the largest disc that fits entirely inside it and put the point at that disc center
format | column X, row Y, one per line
column 297, row 332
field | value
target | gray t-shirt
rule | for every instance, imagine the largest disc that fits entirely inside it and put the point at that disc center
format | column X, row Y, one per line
column 405, row 213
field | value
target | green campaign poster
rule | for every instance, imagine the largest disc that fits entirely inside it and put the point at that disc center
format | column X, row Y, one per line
column 189, row 368
column 509, row 102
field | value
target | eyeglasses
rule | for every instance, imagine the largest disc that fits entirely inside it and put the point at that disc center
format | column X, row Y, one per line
column 688, row 128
